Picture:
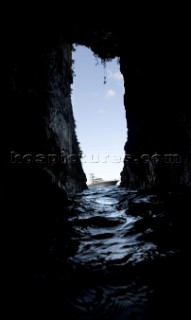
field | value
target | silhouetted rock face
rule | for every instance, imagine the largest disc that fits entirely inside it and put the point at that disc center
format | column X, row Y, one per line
column 158, row 149
column 40, row 128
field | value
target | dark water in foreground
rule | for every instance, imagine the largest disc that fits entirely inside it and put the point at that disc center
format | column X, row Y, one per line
column 113, row 254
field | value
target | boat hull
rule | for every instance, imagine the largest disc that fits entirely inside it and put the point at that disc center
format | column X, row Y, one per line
column 102, row 184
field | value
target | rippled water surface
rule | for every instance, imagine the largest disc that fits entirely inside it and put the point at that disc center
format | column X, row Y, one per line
column 115, row 254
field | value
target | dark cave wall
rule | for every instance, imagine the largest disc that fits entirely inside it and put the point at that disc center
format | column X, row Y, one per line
column 60, row 123
column 159, row 120
column 36, row 79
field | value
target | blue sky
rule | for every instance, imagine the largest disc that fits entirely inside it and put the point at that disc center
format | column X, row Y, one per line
column 99, row 113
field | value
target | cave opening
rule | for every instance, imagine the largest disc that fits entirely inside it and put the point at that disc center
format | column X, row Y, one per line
column 120, row 254
column 97, row 99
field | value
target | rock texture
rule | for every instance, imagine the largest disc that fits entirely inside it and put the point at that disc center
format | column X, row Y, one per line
column 39, row 139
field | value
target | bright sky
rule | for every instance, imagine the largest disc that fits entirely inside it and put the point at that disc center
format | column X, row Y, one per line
column 100, row 114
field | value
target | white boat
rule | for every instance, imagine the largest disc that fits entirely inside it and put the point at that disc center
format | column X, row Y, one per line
column 99, row 182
